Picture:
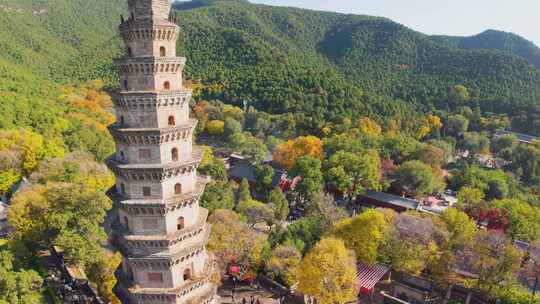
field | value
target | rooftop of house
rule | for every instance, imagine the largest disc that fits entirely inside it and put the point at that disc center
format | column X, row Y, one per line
column 247, row 171
column 392, row 199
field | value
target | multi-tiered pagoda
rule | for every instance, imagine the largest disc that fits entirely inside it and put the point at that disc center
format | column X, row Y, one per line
column 160, row 230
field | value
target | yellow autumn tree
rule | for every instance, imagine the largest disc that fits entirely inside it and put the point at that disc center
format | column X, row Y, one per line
column 369, row 127
column 328, row 273
column 287, row 153
column 427, row 125
column 364, row 234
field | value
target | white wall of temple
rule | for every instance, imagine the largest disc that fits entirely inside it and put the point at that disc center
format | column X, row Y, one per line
column 155, row 118
column 153, row 154
column 166, row 189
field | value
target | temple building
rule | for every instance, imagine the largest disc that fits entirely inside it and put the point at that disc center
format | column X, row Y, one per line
column 160, row 228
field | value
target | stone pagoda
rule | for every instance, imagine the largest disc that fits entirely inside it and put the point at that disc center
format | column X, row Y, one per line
column 159, row 228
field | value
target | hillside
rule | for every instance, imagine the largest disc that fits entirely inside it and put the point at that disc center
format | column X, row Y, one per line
column 496, row 40
column 319, row 65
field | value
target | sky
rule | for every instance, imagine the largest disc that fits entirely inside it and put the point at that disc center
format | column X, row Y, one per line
column 441, row 17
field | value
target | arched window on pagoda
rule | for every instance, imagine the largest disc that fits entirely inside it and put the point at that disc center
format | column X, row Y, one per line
column 171, row 121
column 167, row 86
column 187, row 274
column 122, row 188
column 180, row 223
column 174, row 154
column 178, row 189
column 130, row 52
column 162, row 52
column 125, row 85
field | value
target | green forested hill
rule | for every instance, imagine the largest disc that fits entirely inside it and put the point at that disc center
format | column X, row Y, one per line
column 320, row 65
column 497, row 40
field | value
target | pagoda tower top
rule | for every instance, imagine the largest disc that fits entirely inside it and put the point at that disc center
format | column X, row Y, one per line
column 149, row 9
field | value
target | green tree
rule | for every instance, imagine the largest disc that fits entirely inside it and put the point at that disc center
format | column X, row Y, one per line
column 264, row 175
column 470, row 198
column 218, row 195
column 524, row 219
column 504, row 142
column 328, row 273
column 456, row 125
column 18, row 287
column 256, row 212
column 459, row 94
column 309, row 169
column 279, row 203
column 352, row 174
column 244, row 193
column 231, row 127
column 418, row 179
column 475, row 143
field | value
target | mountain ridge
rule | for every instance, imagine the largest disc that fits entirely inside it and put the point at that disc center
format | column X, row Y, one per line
column 322, row 66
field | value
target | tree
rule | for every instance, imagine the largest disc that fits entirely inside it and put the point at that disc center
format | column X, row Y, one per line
column 309, row 169
column 494, row 260
column 504, row 142
column 231, row 238
column 418, row 179
column 411, row 237
column 524, row 219
column 428, row 125
column 244, row 193
column 475, row 143
column 249, row 145
column 457, row 125
column 289, row 152
column 264, row 176
column 461, row 229
column 215, row 127
column 231, row 127
column 328, row 273
column 363, row 234
column 470, row 198
column 353, row 174
column 369, row 127
column 212, row 166
column 279, row 203
column 102, row 273
column 459, row 94
column 18, row 286
column 256, row 212
column 218, row 195
column 325, row 209
column 526, row 160
column 430, row 155
column 283, row 263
